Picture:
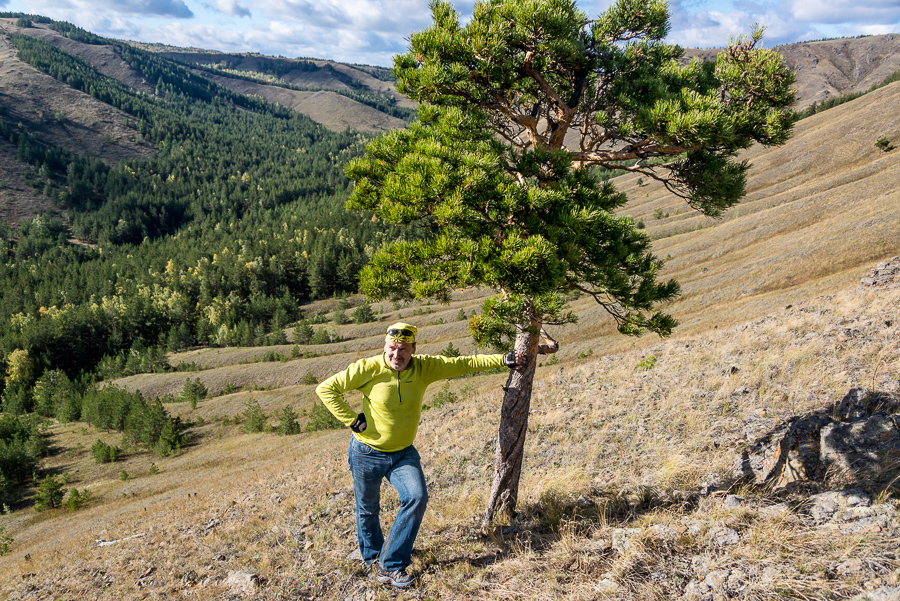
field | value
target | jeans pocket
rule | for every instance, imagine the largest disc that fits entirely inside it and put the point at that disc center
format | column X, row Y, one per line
column 361, row 448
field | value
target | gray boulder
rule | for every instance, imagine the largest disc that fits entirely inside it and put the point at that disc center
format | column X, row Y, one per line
column 857, row 441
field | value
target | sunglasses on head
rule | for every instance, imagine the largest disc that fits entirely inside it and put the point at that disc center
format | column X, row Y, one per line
column 403, row 332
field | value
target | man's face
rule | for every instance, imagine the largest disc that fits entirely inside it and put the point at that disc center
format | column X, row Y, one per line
column 398, row 354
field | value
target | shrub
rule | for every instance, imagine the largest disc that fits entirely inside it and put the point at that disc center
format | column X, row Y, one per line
column 303, row 332
column 461, row 315
column 444, row 396
column 104, row 453
column 340, row 317
column 193, row 391
column 884, row 144
column 320, row 418
column 22, row 444
column 6, row 489
column 646, row 363
column 5, row 541
column 77, row 499
column 170, row 439
column 56, row 396
column 287, row 422
column 123, row 476
column 325, row 336
column 363, row 314
column 310, row 379
column 450, row 351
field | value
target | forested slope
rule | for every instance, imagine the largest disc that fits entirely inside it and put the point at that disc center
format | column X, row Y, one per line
column 217, row 237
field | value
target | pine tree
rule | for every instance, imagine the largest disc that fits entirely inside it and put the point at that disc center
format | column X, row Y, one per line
column 49, row 494
column 303, row 332
column 521, row 110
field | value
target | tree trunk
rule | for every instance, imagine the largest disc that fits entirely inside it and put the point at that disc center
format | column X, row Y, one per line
column 513, row 426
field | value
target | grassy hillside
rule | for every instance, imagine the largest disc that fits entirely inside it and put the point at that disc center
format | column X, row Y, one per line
column 208, row 213
column 620, row 449
column 616, row 455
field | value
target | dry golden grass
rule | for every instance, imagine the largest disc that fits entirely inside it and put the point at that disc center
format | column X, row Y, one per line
column 618, row 443
column 609, row 448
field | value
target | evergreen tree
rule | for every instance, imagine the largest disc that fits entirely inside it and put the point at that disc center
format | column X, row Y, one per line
column 287, row 422
column 363, row 314
column 303, row 332
column 49, row 494
column 521, row 110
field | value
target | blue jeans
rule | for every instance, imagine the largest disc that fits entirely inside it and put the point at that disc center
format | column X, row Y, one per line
column 403, row 470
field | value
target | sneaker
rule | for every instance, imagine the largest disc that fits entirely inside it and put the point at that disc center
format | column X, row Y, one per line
column 396, row 577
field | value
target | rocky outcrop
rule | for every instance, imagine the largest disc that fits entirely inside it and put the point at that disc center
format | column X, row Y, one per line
column 885, row 275
column 856, row 441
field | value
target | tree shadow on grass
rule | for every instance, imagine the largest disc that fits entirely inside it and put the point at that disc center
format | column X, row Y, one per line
column 541, row 525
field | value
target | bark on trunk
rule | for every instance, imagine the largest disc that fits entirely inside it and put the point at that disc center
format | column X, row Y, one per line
column 513, row 427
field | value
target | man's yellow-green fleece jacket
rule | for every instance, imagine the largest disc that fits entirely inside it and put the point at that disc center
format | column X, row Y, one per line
column 392, row 400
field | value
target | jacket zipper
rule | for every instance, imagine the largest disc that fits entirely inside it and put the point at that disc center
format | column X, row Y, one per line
column 400, row 396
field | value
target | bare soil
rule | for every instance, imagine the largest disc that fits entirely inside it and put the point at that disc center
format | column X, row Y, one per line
column 59, row 115
column 334, row 111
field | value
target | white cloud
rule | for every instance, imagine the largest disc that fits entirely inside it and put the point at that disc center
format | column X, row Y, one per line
column 231, row 7
column 144, row 8
column 373, row 31
column 401, row 16
column 873, row 12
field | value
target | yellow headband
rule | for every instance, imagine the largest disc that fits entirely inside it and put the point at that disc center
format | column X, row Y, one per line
column 401, row 332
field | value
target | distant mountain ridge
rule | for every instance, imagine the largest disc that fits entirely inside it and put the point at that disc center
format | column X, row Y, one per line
column 830, row 68
column 335, row 95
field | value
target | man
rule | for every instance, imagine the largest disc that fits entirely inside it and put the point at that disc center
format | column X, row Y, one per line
column 381, row 446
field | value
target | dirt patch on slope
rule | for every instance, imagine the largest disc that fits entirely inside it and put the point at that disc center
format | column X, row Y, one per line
column 104, row 59
column 334, row 111
column 19, row 201
column 57, row 114
column 373, row 83
column 62, row 115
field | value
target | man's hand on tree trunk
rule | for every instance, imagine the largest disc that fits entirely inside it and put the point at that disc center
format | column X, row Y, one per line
column 515, row 359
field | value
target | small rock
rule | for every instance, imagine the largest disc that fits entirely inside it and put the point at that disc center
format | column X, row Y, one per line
column 190, row 577
column 584, row 502
column 242, row 581
column 733, row 501
column 607, row 587
column 662, row 532
column 354, row 555
column 721, row 536
column 716, row 579
column 621, row 538
column 850, row 568
column 884, row 593
column 823, row 506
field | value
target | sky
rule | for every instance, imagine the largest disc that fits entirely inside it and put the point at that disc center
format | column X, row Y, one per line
column 371, row 32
